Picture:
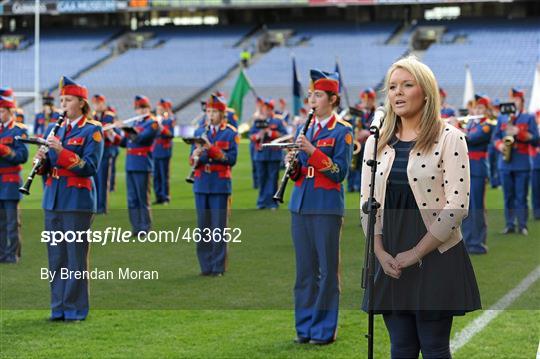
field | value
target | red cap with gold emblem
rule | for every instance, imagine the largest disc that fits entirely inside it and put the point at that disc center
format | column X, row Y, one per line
column 69, row 87
column 216, row 102
column 141, row 101
column 7, row 102
column 324, row 81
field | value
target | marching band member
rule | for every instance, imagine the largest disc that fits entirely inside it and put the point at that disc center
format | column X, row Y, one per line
column 493, row 154
column 522, row 132
column 103, row 115
column 69, row 199
column 139, row 166
column 317, row 206
column 368, row 98
column 423, row 276
column 46, row 117
column 446, row 110
column 282, row 113
column 12, row 155
column 212, row 186
column 478, row 135
column 230, row 113
column 254, row 172
column 162, row 151
column 264, row 130
column 114, row 151
column 535, row 173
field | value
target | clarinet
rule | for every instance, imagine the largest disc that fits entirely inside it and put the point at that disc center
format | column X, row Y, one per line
column 25, row 189
column 191, row 177
column 278, row 197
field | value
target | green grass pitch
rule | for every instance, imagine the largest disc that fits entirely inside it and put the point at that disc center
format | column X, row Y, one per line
column 248, row 312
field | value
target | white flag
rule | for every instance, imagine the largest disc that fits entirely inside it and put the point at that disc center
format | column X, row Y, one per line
column 535, row 95
column 468, row 94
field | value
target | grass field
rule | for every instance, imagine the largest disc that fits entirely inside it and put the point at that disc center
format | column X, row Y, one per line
column 248, row 312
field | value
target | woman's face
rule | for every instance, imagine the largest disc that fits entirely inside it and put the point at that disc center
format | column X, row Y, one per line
column 214, row 116
column 72, row 105
column 405, row 94
column 480, row 109
column 5, row 115
column 320, row 101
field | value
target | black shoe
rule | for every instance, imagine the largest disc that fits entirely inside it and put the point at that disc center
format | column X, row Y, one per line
column 56, row 319
column 321, row 342
column 524, row 231
column 508, row 230
column 218, row 274
column 301, row 340
column 72, row 321
column 157, row 202
column 205, row 274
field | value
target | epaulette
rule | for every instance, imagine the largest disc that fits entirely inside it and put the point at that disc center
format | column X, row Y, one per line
column 232, row 127
column 20, row 125
column 278, row 116
column 230, row 109
column 344, row 123
column 95, row 123
column 110, row 113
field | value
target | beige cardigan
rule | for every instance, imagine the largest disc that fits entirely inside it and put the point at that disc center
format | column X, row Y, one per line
column 439, row 180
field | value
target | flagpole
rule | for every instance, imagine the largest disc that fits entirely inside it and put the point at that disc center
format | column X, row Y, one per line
column 345, row 92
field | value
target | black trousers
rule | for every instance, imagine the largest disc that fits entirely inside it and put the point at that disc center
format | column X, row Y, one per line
column 409, row 335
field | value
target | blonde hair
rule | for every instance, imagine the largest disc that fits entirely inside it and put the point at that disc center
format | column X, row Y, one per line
column 431, row 123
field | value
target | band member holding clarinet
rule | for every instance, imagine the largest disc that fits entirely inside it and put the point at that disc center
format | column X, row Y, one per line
column 113, row 137
column 75, row 148
column 162, row 151
column 478, row 133
column 265, row 129
column 423, row 276
column 515, row 136
column 12, row 154
column 140, row 165
column 320, row 165
column 212, row 162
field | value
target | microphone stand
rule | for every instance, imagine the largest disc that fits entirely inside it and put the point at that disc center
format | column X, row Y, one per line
column 370, row 208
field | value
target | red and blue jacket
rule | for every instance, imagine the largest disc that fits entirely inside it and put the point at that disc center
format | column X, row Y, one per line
column 213, row 172
column 522, row 146
column 69, row 184
column 41, row 123
column 318, row 179
column 478, row 136
column 139, row 148
column 277, row 129
column 164, row 141
column 12, row 155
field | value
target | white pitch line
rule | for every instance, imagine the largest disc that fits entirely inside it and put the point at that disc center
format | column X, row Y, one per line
column 538, row 351
column 461, row 338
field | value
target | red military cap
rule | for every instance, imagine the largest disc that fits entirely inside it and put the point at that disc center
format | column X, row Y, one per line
column 7, row 102
column 324, row 81
column 482, row 100
column 141, row 101
column 217, row 103
column 99, row 98
column 514, row 92
column 69, row 87
column 442, row 93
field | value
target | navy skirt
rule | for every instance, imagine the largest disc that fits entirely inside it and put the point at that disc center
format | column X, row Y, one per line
column 444, row 286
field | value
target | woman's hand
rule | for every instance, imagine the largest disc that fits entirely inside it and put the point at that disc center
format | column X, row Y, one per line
column 389, row 264
column 406, row 259
column 55, row 144
column 304, row 145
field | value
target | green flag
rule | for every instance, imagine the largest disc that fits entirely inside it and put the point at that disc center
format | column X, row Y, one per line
column 241, row 88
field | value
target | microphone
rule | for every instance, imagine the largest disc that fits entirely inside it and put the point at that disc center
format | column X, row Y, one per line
column 378, row 119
